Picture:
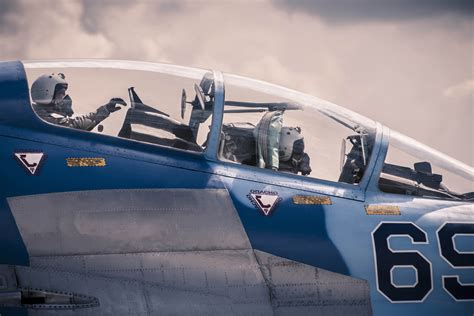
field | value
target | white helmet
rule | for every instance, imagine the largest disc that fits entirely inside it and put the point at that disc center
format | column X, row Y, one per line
column 288, row 137
column 42, row 90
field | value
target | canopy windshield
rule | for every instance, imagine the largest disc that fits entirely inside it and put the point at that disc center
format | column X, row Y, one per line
column 412, row 168
column 153, row 98
column 175, row 70
column 272, row 127
column 352, row 119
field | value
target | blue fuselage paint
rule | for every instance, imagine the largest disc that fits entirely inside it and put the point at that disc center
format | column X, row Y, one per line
column 296, row 232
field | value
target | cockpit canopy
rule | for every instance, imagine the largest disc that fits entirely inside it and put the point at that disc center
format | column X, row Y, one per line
column 259, row 124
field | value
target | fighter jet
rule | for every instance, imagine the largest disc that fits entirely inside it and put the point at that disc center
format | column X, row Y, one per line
column 137, row 188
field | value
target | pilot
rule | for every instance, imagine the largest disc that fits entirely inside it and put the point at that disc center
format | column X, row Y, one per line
column 52, row 104
column 292, row 157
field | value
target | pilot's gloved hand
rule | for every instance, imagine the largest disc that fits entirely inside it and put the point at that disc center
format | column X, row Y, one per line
column 304, row 165
column 112, row 106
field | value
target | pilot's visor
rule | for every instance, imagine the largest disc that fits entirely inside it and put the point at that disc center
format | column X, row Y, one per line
column 60, row 92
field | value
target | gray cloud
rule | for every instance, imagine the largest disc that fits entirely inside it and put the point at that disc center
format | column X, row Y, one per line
column 349, row 11
column 8, row 8
column 94, row 14
column 169, row 6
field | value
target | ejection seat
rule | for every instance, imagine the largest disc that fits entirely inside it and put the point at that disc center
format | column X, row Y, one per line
column 253, row 145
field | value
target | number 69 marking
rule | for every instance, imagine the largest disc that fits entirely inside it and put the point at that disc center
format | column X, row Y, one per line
column 457, row 259
column 386, row 259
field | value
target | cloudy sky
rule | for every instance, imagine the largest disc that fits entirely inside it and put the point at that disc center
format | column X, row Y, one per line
column 407, row 64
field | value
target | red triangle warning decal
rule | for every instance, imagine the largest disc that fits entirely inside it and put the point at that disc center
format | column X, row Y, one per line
column 31, row 161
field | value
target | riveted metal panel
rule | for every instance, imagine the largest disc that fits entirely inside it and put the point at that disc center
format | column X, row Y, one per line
column 124, row 221
column 300, row 289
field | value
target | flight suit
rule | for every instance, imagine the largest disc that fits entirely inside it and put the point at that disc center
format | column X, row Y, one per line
column 85, row 122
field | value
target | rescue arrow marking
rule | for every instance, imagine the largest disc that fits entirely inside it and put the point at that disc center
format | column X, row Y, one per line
column 31, row 161
column 265, row 201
